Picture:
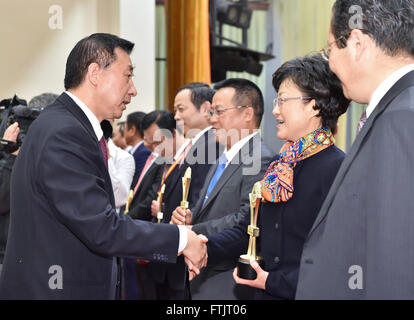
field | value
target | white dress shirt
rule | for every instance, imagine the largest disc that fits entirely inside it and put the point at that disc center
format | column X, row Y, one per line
column 96, row 125
column 200, row 134
column 230, row 154
column 386, row 86
column 121, row 168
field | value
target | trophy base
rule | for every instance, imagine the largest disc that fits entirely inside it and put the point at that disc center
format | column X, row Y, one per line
column 244, row 269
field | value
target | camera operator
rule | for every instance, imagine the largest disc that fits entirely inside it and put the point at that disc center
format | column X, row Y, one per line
column 19, row 120
column 6, row 165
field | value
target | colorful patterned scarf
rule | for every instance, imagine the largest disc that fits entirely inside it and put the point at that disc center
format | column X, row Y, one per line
column 277, row 184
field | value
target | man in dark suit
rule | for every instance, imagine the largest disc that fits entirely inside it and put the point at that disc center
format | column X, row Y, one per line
column 149, row 181
column 134, row 137
column 191, row 104
column 361, row 245
column 64, row 230
column 237, row 112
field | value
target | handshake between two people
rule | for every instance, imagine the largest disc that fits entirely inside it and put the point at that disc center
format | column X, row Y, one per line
column 195, row 253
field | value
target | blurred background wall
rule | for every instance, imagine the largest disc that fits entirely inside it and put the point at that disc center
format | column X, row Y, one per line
column 37, row 36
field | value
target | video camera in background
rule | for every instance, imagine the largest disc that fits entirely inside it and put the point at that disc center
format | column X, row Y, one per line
column 16, row 110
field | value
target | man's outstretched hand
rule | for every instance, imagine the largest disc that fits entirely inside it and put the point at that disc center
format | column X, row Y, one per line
column 195, row 253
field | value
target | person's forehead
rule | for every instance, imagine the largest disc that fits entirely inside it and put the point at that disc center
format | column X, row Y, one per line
column 151, row 129
column 288, row 85
column 224, row 95
column 183, row 98
column 123, row 59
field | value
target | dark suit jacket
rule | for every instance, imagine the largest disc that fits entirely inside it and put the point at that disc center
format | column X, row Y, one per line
column 140, row 207
column 201, row 156
column 361, row 245
column 283, row 226
column 6, row 165
column 226, row 206
column 63, row 216
column 140, row 156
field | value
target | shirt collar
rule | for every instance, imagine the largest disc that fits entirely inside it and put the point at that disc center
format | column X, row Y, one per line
column 230, row 154
column 134, row 148
column 200, row 134
column 386, row 86
column 96, row 125
column 182, row 148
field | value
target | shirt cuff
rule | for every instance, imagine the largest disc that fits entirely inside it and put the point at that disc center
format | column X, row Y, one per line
column 183, row 238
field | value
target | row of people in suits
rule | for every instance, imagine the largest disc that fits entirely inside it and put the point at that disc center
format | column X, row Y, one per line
column 227, row 201
column 307, row 117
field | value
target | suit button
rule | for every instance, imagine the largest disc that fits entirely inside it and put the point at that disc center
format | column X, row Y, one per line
column 309, row 261
column 276, row 260
column 276, row 226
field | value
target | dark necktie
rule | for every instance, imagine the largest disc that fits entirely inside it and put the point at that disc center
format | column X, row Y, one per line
column 104, row 151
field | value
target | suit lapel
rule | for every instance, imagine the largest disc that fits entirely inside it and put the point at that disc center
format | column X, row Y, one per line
column 401, row 85
column 233, row 166
column 77, row 112
column 173, row 179
column 227, row 174
column 73, row 108
column 148, row 175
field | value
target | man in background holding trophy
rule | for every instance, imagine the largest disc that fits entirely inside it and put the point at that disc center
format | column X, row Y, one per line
column 236, row 115
column 190, row 167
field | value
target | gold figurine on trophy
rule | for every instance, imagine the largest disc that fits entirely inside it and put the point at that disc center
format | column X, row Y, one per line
column 244, row 270
column 186, row 187
column 128, row 203
column 160, row 215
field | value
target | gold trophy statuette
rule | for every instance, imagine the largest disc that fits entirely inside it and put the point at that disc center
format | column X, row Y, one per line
column 244, row 270
column 186, row 187
column 160, row 215
column 128, row 203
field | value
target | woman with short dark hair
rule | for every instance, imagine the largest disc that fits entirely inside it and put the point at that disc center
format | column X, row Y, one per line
column 309, row 102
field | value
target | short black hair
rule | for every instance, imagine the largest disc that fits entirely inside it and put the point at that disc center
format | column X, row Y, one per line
column 314, row 78
column 164, row 119
column 107, row 129
column 97, row 48
column 247, row 93
column 135, row 119
column 200, row 93
column 121, row 127
column 390, row 23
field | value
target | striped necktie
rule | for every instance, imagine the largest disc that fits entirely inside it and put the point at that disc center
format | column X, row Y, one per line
column 361, row 122
column 102, row 143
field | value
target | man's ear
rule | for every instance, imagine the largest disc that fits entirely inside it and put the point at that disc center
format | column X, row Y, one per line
column 249, row 114
column 204, row 107
column 359, row 42
column 93, row 73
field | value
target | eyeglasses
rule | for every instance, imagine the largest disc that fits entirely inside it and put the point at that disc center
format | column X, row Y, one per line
column 219, row 112
column 152, row 143
column 326, row 52
column 279, row 101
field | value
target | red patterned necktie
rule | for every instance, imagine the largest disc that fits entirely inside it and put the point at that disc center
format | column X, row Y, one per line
column 102, row 143
column 361, row 122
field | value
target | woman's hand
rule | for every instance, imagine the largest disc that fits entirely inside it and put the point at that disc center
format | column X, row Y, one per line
column 259, row 283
